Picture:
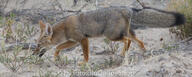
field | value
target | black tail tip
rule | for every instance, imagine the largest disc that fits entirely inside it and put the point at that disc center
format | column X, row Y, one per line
column 179, row 19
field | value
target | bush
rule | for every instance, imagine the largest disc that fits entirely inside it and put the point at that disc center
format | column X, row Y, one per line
column 184, row 7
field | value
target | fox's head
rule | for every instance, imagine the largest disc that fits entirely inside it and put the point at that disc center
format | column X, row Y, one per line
column 45, row 36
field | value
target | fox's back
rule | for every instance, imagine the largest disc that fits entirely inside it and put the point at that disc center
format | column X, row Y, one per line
column 105, row 21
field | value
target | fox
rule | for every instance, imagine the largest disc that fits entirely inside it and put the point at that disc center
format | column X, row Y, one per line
column 116, row 23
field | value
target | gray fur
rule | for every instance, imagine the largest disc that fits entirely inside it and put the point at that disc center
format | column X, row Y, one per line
column 109, row 22
column 153, row 18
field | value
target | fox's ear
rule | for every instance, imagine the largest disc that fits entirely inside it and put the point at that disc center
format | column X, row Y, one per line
column 48, row 30
column 42, row 25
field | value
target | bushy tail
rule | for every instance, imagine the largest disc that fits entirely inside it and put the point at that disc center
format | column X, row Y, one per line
column 150, row 17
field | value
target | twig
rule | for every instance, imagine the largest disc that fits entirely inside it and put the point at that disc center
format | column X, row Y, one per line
column 142, row 4
column 77, row 11
column 138, row 71
column 186, row 40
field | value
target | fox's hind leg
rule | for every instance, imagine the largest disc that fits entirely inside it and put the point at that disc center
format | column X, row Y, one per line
column 132, row 37
column 139, row 43
column 127, row 43
column 67, row 44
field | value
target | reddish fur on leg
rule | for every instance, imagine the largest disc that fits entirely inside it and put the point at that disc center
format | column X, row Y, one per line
column 85, row 47
column 62, row 46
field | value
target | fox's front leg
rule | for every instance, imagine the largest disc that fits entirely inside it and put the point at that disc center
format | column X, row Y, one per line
column 85, row 47
column 67, row 44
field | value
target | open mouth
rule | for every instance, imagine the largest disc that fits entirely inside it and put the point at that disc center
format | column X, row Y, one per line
column 42, row 52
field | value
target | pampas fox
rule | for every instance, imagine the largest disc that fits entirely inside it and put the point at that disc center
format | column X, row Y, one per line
column 116, row 23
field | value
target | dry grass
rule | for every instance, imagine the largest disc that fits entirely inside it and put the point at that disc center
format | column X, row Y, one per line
column 20, row 33
column 111, row 46
column 12, row 61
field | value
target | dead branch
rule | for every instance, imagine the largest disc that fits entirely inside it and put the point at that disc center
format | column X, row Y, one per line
column 142, row 4
column 82, row 8
column 24, row 46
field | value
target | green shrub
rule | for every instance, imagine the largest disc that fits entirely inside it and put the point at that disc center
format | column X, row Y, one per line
column 184, row 7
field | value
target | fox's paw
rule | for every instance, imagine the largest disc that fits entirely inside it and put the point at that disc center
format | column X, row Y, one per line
column 122, row 55
column 144, row 50
column 57, row 58
column 81, row 63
